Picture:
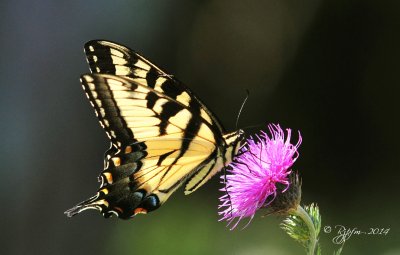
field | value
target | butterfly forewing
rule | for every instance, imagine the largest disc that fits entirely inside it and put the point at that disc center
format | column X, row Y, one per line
column 111, row 58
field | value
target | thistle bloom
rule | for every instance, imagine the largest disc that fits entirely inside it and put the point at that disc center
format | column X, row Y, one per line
column 251, row 182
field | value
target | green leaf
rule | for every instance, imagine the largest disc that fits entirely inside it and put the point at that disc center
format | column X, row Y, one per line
column 319, row 252
column 338, row 252
column 295, row 227
column 304, row 225
column 313, row 212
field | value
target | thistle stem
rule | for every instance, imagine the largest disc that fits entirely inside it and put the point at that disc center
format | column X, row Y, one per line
column 300, row 212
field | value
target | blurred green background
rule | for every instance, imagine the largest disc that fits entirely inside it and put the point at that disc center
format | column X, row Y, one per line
column 327, row 68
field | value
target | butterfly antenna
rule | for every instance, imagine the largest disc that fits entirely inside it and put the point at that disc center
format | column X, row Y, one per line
column 241, row 107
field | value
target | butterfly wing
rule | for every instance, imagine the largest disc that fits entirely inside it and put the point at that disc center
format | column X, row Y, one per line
column 157, row 144
column 111, row 58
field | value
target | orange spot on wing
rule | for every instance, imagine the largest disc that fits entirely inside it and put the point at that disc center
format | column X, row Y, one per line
column 117, row 161
column 105, row 191
column 140, row 211
column 108, row 177
column 128, row 149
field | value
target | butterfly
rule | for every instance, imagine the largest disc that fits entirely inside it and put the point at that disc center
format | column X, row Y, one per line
column 162, row 136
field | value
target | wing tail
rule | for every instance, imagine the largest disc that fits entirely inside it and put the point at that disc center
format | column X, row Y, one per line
column 122, row 199
column 91, row 203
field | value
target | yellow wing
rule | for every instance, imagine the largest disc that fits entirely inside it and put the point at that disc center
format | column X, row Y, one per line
column 157, row 144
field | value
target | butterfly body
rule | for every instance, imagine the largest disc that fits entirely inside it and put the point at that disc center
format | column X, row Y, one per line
column 162, row 136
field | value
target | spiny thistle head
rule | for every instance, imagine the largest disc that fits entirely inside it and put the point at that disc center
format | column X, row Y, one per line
column 258, row 175
column 288, row 200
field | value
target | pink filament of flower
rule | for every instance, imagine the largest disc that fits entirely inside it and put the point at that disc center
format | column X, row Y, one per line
column 252, row 179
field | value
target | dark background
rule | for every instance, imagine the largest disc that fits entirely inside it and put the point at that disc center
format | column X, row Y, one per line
column 327, row 68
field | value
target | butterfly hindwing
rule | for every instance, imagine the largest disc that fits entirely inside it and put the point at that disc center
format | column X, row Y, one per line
column 155, row 141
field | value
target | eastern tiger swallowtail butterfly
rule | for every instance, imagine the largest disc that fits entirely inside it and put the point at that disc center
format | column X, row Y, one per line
column 162, row 135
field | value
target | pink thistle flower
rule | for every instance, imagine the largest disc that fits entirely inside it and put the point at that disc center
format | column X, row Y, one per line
column 252, row 177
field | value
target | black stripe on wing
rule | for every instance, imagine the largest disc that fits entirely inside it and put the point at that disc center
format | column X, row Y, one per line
column 106, row 109
column 131, row 112
column 111, row 58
